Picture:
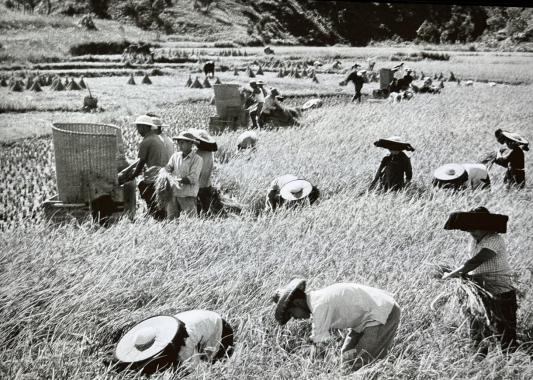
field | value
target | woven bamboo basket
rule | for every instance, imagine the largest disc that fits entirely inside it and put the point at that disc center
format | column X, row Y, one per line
column 84, row 152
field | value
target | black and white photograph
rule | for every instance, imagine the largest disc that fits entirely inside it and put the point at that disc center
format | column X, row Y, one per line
column 266, row 189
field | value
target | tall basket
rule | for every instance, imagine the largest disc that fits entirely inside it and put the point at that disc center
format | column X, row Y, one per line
column 85, row 152
column 226, row 96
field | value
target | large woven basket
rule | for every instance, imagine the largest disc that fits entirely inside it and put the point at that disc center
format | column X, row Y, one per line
column 84, row 152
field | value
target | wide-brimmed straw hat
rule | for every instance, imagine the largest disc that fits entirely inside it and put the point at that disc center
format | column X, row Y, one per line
column 511, row 136
column 260, row 82
column 152, row 121
column 296, row 189
column 450, row 173
column 206, row 142
column 284, row 296
column 477, row 219
column 394, row 143
column 186, row 136
column 151, row 345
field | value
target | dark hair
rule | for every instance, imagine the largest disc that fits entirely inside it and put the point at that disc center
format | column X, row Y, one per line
column 298, row 294
column 480, row 209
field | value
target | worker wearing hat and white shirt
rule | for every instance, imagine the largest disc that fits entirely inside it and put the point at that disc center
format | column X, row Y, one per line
column 271, row 104
column 186, row 166
column 291, row 191
column 259, row 100
column 153, row 155
column 371, row 315
column 461, row 176
column 165, row 341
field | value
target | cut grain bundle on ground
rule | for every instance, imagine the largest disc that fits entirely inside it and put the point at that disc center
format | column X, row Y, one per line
column 131, row 80
column 146, row 79
column 196, row 84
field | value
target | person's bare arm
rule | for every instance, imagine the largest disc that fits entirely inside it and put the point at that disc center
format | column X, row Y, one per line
column 481, row 257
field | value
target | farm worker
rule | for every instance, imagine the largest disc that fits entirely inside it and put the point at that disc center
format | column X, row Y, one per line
column 186, row 166
column 512, row 158
column 358, row 78
column 247, row 140
column 462, row 176
column 291, row 191
column 490, row 269
column 405, row 81
column 259, row 100
column 153, row 155
column 371, row 316
column 395, row 170
column 261, row 84
column 207, row 145
column 271, row 104
column 182, row 340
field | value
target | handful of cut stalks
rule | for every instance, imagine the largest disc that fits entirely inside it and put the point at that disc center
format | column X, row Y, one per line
column 488, row 159
column 461, row 294
column 164, row 184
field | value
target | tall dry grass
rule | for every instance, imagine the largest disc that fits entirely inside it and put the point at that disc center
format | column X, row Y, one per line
column 67, row 291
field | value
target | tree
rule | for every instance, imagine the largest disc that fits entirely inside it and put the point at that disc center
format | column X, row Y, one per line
column 428, row 32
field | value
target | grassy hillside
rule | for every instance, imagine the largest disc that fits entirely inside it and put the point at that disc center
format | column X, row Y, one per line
column 67, row 291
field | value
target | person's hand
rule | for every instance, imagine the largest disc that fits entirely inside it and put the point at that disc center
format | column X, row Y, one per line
column 446, row 276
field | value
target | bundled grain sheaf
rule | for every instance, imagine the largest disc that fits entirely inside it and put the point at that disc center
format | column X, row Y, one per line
column 146, row 79
column 131, row 80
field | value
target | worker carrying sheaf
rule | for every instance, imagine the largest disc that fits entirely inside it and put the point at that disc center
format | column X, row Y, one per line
column 358, row 78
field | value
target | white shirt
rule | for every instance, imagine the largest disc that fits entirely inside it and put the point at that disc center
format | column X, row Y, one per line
column 271, row 103
column 259, row 97
column 189, row 167
column 205, row 333
column 477, row 174
column 347, row 305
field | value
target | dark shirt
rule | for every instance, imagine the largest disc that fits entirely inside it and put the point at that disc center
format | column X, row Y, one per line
column 357, row 80
column 403, row 83
column 512, row 159
column 393, row 169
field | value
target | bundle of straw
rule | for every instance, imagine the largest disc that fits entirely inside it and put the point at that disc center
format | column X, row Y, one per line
column 466, row 295
column 164, row 184
column 488, row 159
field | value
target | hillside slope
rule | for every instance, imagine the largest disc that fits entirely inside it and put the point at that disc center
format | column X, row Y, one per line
column 308, row 22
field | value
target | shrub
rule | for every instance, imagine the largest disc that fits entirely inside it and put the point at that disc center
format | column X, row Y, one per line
column 435, row 56
column 99, row 47
column 225, row 44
